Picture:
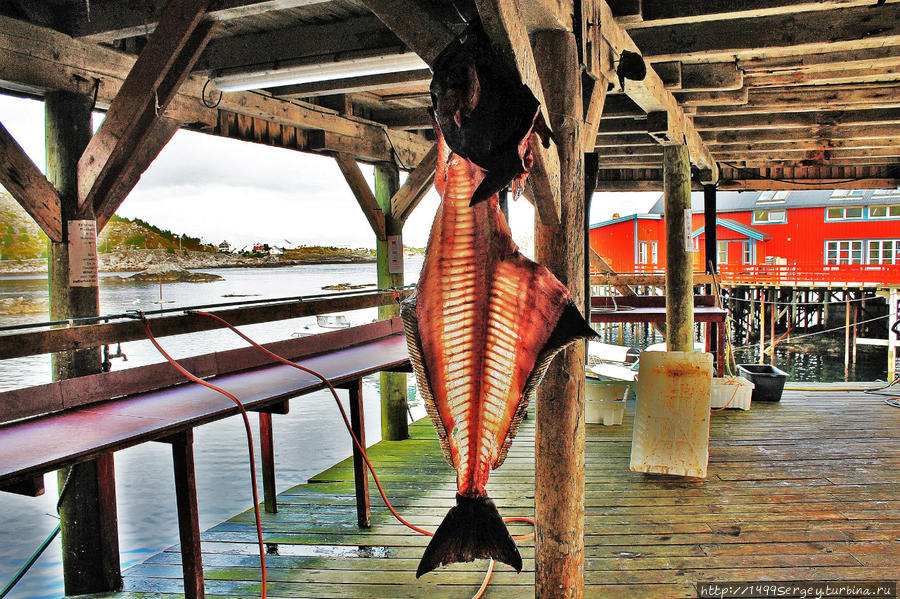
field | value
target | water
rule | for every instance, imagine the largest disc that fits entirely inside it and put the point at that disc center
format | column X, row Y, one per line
column 308, row 440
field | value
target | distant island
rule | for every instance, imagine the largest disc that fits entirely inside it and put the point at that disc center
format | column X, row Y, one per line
column 135, row 245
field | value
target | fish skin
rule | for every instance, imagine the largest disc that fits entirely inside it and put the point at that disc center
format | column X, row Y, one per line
column 481, row 328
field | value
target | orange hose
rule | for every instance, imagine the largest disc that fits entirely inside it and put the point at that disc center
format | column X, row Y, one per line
column 237, row 402
column 362, row 450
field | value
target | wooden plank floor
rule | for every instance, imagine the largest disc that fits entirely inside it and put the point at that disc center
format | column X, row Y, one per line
column 798, row 491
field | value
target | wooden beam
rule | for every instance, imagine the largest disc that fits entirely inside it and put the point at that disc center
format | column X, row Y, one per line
column 188, row 516
column 377, row 145
column 417, row 184
column 711, row 76
column 132, row 118
column 362, row 192
column 820, row 134
column 602, row 266
column 821, row 60
column 352, row 85
column 28, row 185
column 652, row 96
column 792, row 120
column 110, row 20
column 664, row 12
column 503, row 24
column 595, row 92
column 713, row 98
column 320, row 42
column 416, row 24
column 845, row 29
column 43, row 59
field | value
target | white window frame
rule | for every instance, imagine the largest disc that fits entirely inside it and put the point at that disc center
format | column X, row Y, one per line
column 888, row 209
column 891, row 245
column 843, row 216
column 722, row 252
column 747, row 251
column 840, row 251
column 644, row 254
column 773, row 197
column 768, row 213
column 840, row 194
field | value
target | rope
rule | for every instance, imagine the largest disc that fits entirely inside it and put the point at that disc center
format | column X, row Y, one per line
column 840, row 328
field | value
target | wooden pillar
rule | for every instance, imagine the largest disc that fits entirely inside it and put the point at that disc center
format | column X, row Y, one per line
column 394, row 425
column 267, row 461
column 762, row 326
column 710, row 230
column 360, row 474
column 679, row 270
column 846, row 332
column 559, row 428
column 892, row 337
column 90, row 543
column 188, row 515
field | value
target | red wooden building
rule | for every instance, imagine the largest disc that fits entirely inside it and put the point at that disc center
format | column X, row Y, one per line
column 816, row 236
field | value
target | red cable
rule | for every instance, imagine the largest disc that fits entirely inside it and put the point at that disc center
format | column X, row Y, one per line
column 362, row 450
column 237, row 402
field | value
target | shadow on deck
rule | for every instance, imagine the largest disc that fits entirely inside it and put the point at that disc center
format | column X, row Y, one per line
column 803, row 490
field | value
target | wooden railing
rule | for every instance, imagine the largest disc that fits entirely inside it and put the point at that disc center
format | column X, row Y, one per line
column 802, row 274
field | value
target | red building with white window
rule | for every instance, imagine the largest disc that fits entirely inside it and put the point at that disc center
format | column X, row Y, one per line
column 814, row 236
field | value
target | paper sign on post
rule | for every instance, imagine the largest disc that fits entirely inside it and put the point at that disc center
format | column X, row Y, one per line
column 83, row 253
column 395, row 254
column 688, row 229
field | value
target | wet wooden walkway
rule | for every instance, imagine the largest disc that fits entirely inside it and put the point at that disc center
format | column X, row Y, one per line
column 798, row 491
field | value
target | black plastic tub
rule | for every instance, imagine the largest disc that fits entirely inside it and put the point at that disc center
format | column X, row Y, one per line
column 768, row 381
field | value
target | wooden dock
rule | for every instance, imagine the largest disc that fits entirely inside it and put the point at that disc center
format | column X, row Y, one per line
column 804, row 490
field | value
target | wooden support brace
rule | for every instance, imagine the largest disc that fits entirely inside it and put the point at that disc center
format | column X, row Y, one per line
column 595, row 98
column 417, row 184
column 188, row 519
column 362, row 192
column 28, row 185
column 145, row 94
column 360, row 475
column 282, row 407
column 503, row 24
column 267, row 459
column 30, row 487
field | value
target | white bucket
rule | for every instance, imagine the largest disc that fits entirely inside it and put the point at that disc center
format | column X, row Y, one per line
column 603, row 401
column 671, row 421
column 733, row 391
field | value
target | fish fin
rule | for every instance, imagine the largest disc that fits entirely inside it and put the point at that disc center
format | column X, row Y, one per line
column 414, row 347
column 472, row 529
column 492, row 183
column 570, row 326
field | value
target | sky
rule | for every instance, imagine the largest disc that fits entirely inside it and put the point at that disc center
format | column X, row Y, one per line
column 228, row 190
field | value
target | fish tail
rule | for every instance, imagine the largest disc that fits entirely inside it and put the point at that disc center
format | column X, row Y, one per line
column 472, row 529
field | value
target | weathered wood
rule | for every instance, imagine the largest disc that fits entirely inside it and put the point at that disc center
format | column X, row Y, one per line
column 659, row 12
column 710, row 76
column 351, row 85
column 652, row 96
column 28, row 185
column 823, row 134
column 188, row 516
column 503, row 24
column 145, row 94
column 30, row 487
column 88, row 336
column 593, row 110
column 417, row 184
column 109, row 20
column 394, row 402
column 825, row 97
column 709, row 218
column 374, row 145
column 864, row 74
column 415, row 24
column 644, row 280
column 559, row 442
column 774, row 35
column 267, row 460
column 679, row 275
column 363, row 193
column 90, row 544
column 360, row 472
column 791, row 120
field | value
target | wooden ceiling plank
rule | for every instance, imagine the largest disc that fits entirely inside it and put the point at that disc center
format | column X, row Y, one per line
column 146, row 92
column 300, row 44
column 417, row 184
column 736, row 97
column 826, row 97
column 821, row 134
column 420, row 29
column 28, row 185
column 352, row 85
column 711, row 76
column 869, row 74
column 651, row 95
column 656, row 13
column 834, row 30
column 822, row 60
column 363, row 193
column 110, row 20
column 791, row 120
column 502, row 23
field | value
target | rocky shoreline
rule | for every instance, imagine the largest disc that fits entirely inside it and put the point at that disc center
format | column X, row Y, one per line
column 140, row 260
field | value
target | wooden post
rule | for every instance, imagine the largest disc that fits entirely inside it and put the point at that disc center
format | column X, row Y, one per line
column 762, row 326
column 360, row 474
column 559, row 428
column 892, row 338
column 773, row 299
column 679, row 270
column 394, row 425
column 188, row 516
column 846, row 333
column 90, row 541
column 710, row 229
column 267, row 461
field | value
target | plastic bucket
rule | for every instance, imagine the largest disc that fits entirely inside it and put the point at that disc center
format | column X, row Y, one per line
column 671, row 421
column 768, row 381
column 603, row 403
column 732, row 392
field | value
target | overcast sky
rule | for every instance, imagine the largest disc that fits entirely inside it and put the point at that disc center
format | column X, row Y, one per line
column 242, row 192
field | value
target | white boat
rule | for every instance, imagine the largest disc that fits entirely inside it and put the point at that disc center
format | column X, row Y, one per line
column 612, row 362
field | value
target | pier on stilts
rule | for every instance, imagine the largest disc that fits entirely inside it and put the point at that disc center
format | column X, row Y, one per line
column 779, row 504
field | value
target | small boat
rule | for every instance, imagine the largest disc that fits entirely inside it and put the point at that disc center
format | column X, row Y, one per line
column 613, row 362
